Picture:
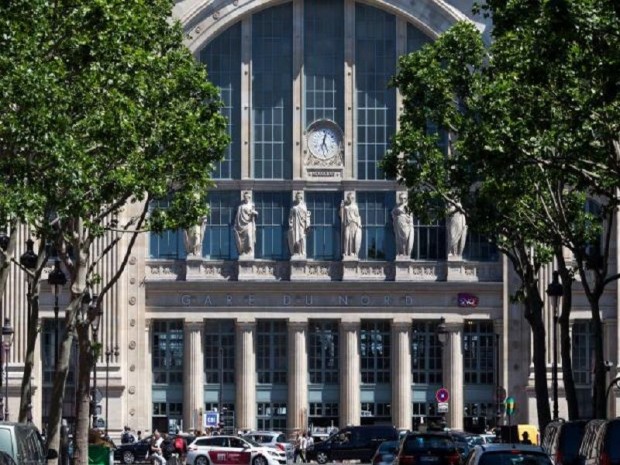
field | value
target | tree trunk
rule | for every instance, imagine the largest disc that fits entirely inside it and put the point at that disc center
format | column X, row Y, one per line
column 60, row 380
column 83, row 396
column 25, row 403
column 599, row 401
column 565, row 341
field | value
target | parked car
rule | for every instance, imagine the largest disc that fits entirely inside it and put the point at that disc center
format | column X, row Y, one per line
column 589, row 436
column 132, row 452
column 275, row 439
column 23, row 443
column 561, row 440
column 508, row 454
column 227, row 450
column 464, row 442
column 605, row 449
column 386, row 453
column 432, row 448
column 352, row 443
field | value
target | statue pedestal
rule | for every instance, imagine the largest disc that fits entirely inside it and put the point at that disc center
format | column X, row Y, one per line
column 350, row 265
column 193, row 268
column 459, row 270
column 402, row 268
column 246, row 270
column 298, row 268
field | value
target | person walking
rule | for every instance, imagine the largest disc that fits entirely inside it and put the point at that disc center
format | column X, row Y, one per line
column 297, row 445
column 156, row 452
column 303, row 445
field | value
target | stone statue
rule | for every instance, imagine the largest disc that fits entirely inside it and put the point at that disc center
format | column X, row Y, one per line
column 351, row 226
column 193, row 239
column 456, row 231
column 245, row 225
column 299, row 224
column 402, row 219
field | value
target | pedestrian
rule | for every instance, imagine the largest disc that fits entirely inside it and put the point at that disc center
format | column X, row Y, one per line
column 525, row 438
column 297, row 445
column 180, row 447
column 127, row 437
column 156, row 452
column 139, row 436
column 310, row 444
column 303, row 445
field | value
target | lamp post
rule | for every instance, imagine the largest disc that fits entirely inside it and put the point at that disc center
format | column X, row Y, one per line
column 108, row 354
column 7, row 342
column 94, row 316
column 56, row 278
column 29, row 261
column 4, row 245
column 442, row 336
column 555, row 291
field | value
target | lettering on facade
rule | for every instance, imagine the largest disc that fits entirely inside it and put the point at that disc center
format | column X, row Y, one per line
column 295, row 300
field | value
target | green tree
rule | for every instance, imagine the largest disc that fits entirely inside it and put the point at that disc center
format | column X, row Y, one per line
column 103, row 112
column 515, row 161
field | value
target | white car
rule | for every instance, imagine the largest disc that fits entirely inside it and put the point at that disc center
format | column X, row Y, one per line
column 275, row 439
column 231, row 450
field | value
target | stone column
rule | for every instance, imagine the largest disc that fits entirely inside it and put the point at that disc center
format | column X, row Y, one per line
column 453, row 374
column 245, row 375
column 350, row 407
column 401, row 374
column 193, row 375
column 297, row 408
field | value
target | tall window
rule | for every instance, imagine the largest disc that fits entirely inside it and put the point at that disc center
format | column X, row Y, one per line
column 168, row 244
column 378, row 236
column 272, row 224
column 582, row 352
column 167, row 358
column 479, row 352
column 323, row 58
column 477, row 247
column 324, row 238
column 223, row 57
column 426, row 364
column 272, row 67
column 271, row 416
column 219, row 351
column 430, row 241
column 271, row 351
column 219, row 242
column 583, row 363
column 375, row 64
column 323, row 352
column 375, row 352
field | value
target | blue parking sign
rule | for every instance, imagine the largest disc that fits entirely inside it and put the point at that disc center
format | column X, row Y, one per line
column 212, row 419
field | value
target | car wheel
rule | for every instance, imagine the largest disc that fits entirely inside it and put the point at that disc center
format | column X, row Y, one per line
column 128, row 457
column 201, row 460
column 259, row 460
column 322, row 457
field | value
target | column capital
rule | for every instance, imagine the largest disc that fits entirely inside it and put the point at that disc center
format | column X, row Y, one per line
column 454, row 326
column 349, row 325
column 402, row 325
column 245, row 324
column 295, row 324
column 192, row 325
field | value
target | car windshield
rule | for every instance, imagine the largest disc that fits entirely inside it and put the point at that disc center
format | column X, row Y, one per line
column 388, row 445
column 418, row 443
column 514, row 457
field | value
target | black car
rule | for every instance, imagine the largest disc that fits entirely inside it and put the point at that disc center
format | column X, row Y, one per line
column 562, row 439
column 132, row 452
column 432, row 448
column 352, row 443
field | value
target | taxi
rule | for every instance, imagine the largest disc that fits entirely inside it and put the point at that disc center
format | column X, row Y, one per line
column 230, row 450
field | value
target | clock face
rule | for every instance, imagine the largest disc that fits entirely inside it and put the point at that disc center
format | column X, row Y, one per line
column 324, row 139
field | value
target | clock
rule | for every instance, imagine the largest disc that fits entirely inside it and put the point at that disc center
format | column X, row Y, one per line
column 324, row 139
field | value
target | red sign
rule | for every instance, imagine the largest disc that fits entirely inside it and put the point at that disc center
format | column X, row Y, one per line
column 224, row 457
column 442, row 395
column 467, row 300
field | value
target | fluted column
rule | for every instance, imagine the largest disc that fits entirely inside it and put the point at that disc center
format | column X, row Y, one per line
column 193, row 374
column 245, row 376
column 453, row 374
column 401, row 374
column 350, row 407
column 297, row 409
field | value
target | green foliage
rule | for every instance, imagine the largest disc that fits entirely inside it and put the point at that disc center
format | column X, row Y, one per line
column 100, row 103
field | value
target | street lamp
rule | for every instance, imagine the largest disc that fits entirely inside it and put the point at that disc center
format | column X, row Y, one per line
column 442, row 336
column 56, row 278
column 555, row 291
column 94, row 316
column 7, row 342
column 108, row 354
column 29, row 261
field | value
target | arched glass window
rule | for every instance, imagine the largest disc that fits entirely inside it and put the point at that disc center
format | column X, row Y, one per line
column 272, row 92
column 223, row 59
column 375, row 64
